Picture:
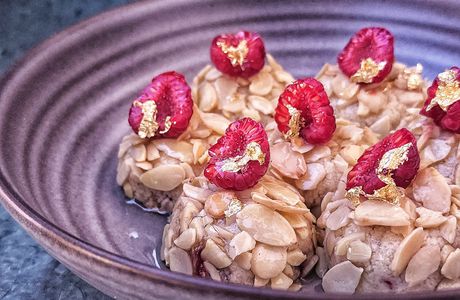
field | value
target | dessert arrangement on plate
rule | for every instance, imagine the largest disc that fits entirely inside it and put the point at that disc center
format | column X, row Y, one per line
column 352, row 175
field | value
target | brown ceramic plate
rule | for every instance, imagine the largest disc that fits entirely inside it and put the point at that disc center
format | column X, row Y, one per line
column 63, row 111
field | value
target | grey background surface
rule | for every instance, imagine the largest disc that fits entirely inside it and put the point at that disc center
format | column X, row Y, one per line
column 26, row 270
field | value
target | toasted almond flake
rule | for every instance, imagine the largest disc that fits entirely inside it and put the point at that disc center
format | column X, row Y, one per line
column 308, row 265
column 266, row 225
column 382, row 126
column 447, row 284
column 342, row 278
column 277, row 204
column 198, row 149
column 216, row 122
column 425, row 262
column 186, row 239
column 281, row 282
column 217, row 231
column 283, row 77
column 406, row 249
column 236, row 104
column 138, row 153
column 326, row 200
column 296, row 257
column 261, row 83
column 213, row 74
column 273, row 63
column 431, row 189
column 359, row 252
column 163, row 177
column 197, row 224
column 179, row 261
column 375, row 212
column 186, row 215
column 448, row 230
column 180, row 150
column 338, row 218
column 351, row 153
column 244, row 260
column 261, row 104
column 435, row 150
column 217, row 203
column 216, row 256
column 163, row 248
column 122, row 172
column 451, row 268
column 295, row 220
column 242, row 242
column 279, row 191
column 225, row 87
column 373, row 100
column 200, row 194
column 268, row 261
column 288, row 162
column 340, row 84
column 260, row 282
column 322, row 265
column 317, row 153
column 145, row 165
column 446, row 250
column 213, row 272
column 429, row 218
column 207, row 97
column 289, row 271
column 342, row 245
column 128, row 190
column 314, row 175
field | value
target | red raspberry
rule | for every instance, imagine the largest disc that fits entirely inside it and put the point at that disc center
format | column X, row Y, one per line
column 304, row 108
column 365, row 173
column 241, row 54
column 442, row 104
column 240, row 157
column 164, row 108
column 368, row 57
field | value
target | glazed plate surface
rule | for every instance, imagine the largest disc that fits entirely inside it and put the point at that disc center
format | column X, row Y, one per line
column 63, row 112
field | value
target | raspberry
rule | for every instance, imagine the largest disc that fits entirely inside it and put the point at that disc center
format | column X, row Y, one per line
column 368, row 57
column 240, row 157
column 304, row 108
column 442, row 104
column 164, row 108
column 241, row 54
column 367, row 173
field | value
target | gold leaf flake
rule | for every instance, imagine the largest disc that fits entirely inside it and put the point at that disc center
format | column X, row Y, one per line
column 295, row 122
column 252, row 152
column 448, row 91
column 149, row 125
column 168, row 125
column 413, row 76
column 367, row 71
column 237, row 54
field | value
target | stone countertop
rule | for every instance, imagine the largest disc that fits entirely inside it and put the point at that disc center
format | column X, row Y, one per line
column 26, row 270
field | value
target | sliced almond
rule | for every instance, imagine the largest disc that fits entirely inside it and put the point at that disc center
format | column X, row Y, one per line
column 296, row 257
column 429, row 218
column 244, row 260
column 314, row 175
column 195, row 192
column 447, row 284
column 128, row 190
column 197, row 224
column 342, row 245
column 180, row 150
column 338, row 218
column 425, row 262
column 261, row 83
column 216, row 122
column 186, row 215
column 261, row 104
column 186, row 239
column 242, row 242
column 280, row 191
column 266, row 225
column 288, row 162
column 277, row 205
column 180, row 261
column 375, row 212
column 342, row 278
column 268, row 261
column 431, row 189
column 359, row 252
column 317, row 153
column 216, row 256
column 225, row 87
column 122, row 172
column 281, row 282
column 212, row 271
column 434, row 151
column 322, row 265
column 446, row 250
column 138, row 153
column 351, row 153
column 295, row 220
column 163, row 177
column 448, row 229
column 309, row 265
column 451, row 268
column 382, row 126
column 217, row 203
column 260, row 282
column 408, row 247
column 207, row 97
